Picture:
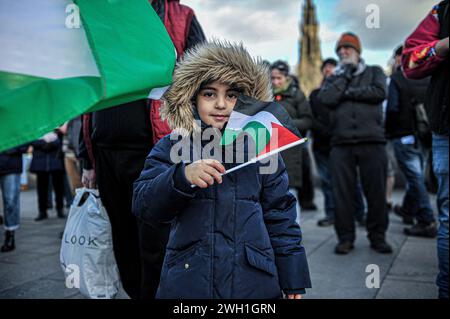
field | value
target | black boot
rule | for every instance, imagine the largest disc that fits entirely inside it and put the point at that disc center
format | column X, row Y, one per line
column 325, row 222
column 344, row 247
column 419, row 230
column 42, row 215
column 8, row 245
column 407, row 218
column 381, row 247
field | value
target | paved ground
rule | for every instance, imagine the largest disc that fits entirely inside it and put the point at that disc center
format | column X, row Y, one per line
column 33, row 270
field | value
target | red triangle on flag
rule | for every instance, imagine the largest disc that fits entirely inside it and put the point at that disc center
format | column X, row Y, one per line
column 283, row 135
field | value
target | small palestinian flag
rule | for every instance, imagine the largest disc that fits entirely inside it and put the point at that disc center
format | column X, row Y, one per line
column 268, row 124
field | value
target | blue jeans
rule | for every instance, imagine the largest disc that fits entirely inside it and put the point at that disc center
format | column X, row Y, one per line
column 416, row 200
column 440, row 167
column 325, row 179
column 10, row 187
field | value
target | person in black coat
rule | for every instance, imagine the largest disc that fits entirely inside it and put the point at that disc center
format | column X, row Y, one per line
column 321, row 134
column 290, row 96
column 321, row 143
column 405, row 96
column 355, row 93
column 48, row 162
column 10, row 170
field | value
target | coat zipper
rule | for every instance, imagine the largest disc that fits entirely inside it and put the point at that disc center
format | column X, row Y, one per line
column 213, row 241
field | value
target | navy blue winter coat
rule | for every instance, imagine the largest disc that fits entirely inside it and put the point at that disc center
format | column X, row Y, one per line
column 11, row 160
column 238, row 239
column 47, row 157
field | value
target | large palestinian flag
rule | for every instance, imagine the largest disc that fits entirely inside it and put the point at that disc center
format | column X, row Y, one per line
column 267, row 123
column 54, row 68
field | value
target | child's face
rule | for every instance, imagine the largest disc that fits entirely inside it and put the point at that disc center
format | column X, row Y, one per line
column 215, row 102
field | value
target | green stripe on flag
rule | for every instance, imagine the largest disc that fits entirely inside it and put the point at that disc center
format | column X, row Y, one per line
column 127, row 54
column 256, row 130
column 22, row 115
column 133, row 53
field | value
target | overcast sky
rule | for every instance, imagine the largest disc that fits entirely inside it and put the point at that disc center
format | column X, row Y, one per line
column 270, row 28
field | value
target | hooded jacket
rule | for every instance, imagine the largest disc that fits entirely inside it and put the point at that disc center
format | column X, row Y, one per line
column 239, row 239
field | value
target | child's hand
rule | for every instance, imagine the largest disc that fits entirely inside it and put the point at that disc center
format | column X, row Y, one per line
column 294, row 296
column 203, row 173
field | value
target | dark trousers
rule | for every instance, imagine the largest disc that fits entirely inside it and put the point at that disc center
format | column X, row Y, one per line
column 306, row 192
column 323, row 166
column 153, row 241
column 372, row 162
column 43, row 180
column 139, row 270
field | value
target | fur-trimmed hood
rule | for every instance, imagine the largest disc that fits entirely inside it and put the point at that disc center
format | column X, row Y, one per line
column 214, row 61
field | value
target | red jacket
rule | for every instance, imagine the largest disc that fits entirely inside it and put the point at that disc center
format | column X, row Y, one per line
column 419, row 56
column 177, row 20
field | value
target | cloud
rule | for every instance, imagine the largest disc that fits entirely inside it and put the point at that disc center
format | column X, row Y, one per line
column 327, row 34
column 398, row 18
column 250, row 5
column 253, row 22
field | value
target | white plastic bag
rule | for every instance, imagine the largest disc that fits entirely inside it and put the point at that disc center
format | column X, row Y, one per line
column 87, row 257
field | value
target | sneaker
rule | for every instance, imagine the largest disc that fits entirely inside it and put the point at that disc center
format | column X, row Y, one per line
column 381, row 247
column 343, row 248
column 326, row 222
column 407, row 218
column 420, row 230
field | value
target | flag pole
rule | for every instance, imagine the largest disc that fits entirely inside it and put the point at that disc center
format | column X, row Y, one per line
column 260, row 158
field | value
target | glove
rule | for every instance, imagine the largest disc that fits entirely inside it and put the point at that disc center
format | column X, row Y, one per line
column 348, row 71
column 50, row 137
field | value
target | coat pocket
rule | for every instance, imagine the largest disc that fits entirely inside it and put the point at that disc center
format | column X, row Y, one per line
column 260, row 260
column 174, row 257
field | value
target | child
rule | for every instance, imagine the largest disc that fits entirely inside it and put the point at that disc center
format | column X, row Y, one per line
column 233, row 236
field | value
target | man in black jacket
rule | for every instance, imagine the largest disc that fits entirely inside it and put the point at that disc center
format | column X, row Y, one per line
column 405, row 96
column 120, row 138
column 355, row 94
column 321, row 147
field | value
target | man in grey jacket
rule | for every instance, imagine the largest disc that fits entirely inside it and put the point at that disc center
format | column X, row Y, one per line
column 355, row 94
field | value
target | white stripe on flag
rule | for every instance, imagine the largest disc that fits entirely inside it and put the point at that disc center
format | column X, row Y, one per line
column 157, row 93
column 34, row 40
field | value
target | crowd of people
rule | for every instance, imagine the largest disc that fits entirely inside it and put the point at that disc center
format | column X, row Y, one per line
column 363, row 126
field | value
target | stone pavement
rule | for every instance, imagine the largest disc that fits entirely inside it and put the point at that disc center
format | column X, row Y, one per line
column 33, row 270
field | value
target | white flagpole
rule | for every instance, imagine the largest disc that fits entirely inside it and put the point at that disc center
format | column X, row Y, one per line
column 257, row 159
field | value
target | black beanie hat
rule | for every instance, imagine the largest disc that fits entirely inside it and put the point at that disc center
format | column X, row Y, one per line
column 329, row 61
column 282, row 66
